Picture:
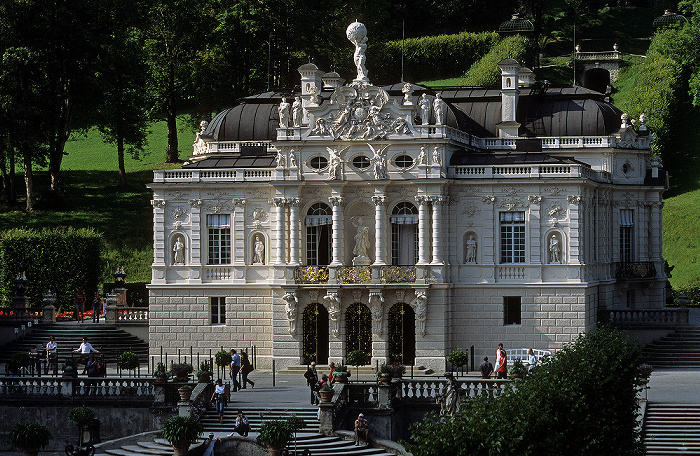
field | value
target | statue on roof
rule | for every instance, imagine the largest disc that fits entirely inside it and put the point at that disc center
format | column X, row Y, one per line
column 424, row 105
column 284, row 113
column 440, row 107
column 357, row 34
column 297, row 112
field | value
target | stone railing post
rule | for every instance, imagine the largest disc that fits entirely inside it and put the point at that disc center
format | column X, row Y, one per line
column 326, row 418
column 384, row 395
column 49, row 314
column 111, row 315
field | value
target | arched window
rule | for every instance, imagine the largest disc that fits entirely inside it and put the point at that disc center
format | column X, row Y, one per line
column 404, row 234
column 318, row 222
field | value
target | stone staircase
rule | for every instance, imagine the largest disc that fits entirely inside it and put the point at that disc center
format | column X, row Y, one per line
column 309, row 438
column 680, row 348
column 107, row 339
column 672, row 429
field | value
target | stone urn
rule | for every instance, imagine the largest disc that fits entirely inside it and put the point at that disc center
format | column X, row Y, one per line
column 326, row 396
column 185, row 394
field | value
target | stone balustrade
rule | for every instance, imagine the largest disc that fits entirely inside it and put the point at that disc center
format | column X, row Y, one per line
column 652, row 318
column 419, row 390
column 70, row 387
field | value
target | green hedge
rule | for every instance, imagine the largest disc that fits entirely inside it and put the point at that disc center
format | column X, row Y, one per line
column 485, row 72
column 429, row 57
column 61, row 260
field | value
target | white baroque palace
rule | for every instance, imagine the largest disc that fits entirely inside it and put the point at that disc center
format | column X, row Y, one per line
column 405, row 222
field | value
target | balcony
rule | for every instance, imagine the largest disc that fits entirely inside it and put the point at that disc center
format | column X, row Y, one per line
column 354, row 274
column 398, row 274
column 311, row 274
column 633, row 271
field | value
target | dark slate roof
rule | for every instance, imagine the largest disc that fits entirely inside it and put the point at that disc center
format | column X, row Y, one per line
column 233, row 161
column 563, row 111
column 466, row 157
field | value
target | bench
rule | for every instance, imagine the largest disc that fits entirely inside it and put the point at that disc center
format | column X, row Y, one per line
column 521, row 354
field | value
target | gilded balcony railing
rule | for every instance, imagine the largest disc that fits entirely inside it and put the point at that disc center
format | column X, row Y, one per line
column 311, row 274
column 635, row 270
column 398, row 274
column 354, row 274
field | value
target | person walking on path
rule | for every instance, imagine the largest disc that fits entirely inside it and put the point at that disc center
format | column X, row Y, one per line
column 311, row 377
column 96, row 308
column 85, row 349
column 235, row 369
column 498, row 354
column 486, row 368
column 220, row 399
column 51, row 356
column 79, row 302
column 246, row 368
column 502, row 369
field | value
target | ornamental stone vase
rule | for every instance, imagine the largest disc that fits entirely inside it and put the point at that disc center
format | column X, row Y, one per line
column 326, row 396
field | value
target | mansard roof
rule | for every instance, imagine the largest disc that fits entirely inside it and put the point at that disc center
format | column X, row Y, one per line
column 543, row 112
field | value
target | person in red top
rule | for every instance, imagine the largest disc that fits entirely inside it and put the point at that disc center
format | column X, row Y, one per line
column 330, row 375
column 502, row 368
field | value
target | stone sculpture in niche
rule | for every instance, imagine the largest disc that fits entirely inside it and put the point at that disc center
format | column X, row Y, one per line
column 258, row 250
column 376, row 302
column 470, row 250
column 422, row 159
column 290, row 309
column 357, row 34
column 333, row 301
column 178, row 251
column 284, row 113
column 440, row 108
column 554, row 249
column 424, row 105
column 361, row 243
column 436, row 156
column 421, row 309
column 297, row 112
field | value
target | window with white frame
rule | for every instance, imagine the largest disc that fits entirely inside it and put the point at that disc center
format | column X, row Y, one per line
column 319, row 235
column 512, row 237
column 404, row 234
column 219, row 238
column 218, row 310
column 626, row 232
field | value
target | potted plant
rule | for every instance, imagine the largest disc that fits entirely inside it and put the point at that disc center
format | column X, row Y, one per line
column 384, row 373
column 326, row 393
column 275, row 434
column 204, row 373
column 181, row 432
column 458, row 359
column 82, row 416
column 357, row 358
column 181, row 371
column 30, row 437
column 128, row 360
column 222, row 358
column 517, row 370
column 397, row 370
column 20, row 360
column 185, row 392
column 341, row 374
column 160, row 373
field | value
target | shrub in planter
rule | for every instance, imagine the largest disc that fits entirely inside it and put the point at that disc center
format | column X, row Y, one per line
column 357, row 358
column 81, row 415
column 182, row 431
column 384, row 371
column 21, row 359
column 518, row 369
column 160, row 373
column 128, row 360
column 69, row 368
column 275, row 434
column 30, row 437
column 341, row 374
column 397, row 370
column 181, row 370
column 222, row 358
column 458, row 358
column 204, row 372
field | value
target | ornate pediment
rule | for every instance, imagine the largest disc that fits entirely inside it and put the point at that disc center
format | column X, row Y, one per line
column 361, row 112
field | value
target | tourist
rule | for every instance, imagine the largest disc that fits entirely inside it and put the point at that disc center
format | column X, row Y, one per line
column 51, row 356
column 361, row 430
column 531, row 360
column 96, row 301
column 79, row 302
column 498, row 353
column 331, row 365
column 210, row 443
column 220, row 399
column 85, row 349
column 486, row 368
column 311, row 377
column 502, row 368
column 92, row 367
column 235, row 369
column 242, row 427
column 246, row 368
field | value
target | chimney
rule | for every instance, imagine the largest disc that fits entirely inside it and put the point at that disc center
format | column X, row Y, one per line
column 510, row 74
column 311, row 83
column 332, row 80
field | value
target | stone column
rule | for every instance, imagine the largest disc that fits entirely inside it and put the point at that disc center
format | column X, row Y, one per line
column 423, row 227
column 379, row 229
column 279, row 228
column 337, row 202
column 294, row 231
column 656, row 227
column 238, row 227
column 438, row 254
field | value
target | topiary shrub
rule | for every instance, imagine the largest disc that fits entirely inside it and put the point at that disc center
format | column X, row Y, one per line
column 128, row 360
column 458, row 358
column 222, row 358
column 81, row 415
column 357, row 358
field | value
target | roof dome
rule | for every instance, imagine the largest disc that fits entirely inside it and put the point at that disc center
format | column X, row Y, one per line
column 516, row 24
column 669, row 19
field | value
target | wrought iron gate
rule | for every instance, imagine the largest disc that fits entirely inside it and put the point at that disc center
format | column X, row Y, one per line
column 402, row 334
column 315, row 338
column 358, row 328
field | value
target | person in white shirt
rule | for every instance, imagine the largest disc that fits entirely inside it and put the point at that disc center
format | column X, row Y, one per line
column 220, row 398
column 51, row 356
column 531, row 360
column 85, row 349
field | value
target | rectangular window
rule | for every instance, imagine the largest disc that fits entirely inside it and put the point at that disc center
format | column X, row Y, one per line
column 512, row 237
column 219, row 232
column 404, row 244
column 511, row 310
column 218, row 311
column 626, row 230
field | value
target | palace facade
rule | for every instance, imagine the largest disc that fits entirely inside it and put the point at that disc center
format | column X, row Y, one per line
column 405, row 222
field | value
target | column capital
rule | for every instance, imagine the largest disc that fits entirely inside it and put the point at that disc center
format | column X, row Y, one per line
column 423, row 200
column 239, row 202
column 294, row 202
column 278, row 202
column 379, row 200
column 158, row 203
column 336, row 201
